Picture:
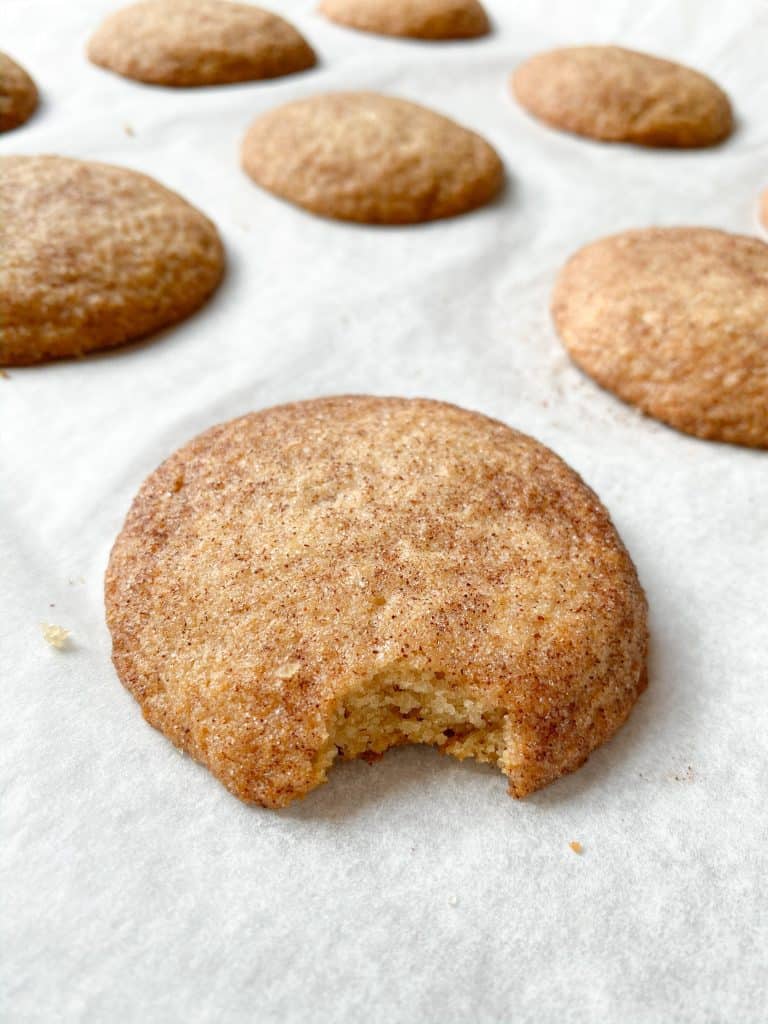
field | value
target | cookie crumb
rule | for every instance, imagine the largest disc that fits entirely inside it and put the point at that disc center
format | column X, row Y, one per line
column 4, row 375
column 576, row 847
column 56, row 636
column 128, row 129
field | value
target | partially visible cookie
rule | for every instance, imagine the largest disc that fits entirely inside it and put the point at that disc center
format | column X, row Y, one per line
column 18, row 94
column 344, row 575
column 95, row 255
column 675, row 321
column 417, row 19
column 198, row 42
column 362, row 156
column 618, row 95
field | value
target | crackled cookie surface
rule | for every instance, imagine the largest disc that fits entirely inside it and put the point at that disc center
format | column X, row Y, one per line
column 18, row 94
column 675, row 321
column 362, row 156
column 198, row 42
column 95, row 255
column 417, row 19
column 342, row 575
column 618, row 95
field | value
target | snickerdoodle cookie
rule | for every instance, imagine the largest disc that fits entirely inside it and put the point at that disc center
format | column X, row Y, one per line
column 343, row 575
column 417, row 19
column 618, row 95
column 675, row 321
column 94, row 256
column 198, row 42
column 361, row 156
column 18, row 94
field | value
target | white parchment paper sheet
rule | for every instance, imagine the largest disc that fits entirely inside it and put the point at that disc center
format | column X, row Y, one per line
column 134, row 887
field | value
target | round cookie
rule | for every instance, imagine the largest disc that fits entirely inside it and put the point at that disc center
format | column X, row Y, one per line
column 360, row 156
column 617, row 95
column 675, row 321
column 198, row 42
column 18, row 94
column 344, row 575
column 416, row 19
column 95, row 256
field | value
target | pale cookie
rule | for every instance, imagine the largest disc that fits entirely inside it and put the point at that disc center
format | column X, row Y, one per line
column 198, row 42
column 345, row 575
column 417, row 19
column 18, row 94
column 94, row 256
column 361, row 156
column 675, row 321
column 619, row 95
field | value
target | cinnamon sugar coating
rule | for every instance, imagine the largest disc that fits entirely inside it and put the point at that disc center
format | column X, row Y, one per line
column 618, row 95
column 341, row 575
column 18, row 94
column 674, row 321
column 417, row 19
column 95, row 256
column 362, row 156
column 198, row 42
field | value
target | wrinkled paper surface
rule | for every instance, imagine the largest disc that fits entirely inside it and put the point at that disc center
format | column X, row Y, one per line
column 135, row 887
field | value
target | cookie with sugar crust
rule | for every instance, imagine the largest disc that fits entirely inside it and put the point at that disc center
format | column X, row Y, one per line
column 366, row 157
column 18, row 94
column 198, row 42
column 675, row 322
column 96, row 255
column 414, row 19
column 617, row 95
column 339, row 576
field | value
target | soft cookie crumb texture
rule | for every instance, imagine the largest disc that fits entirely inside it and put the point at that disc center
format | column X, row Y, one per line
column 56, row 636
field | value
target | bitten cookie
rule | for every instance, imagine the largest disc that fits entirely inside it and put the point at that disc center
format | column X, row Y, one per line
column 95, row 256
column 417, row 19
column 361, row 156
column 343, row 575
column 198, row 42
column 18, row 94
column 619, row 95
column 675, row 321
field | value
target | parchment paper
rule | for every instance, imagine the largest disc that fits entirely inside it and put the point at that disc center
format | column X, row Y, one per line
column 135, row 888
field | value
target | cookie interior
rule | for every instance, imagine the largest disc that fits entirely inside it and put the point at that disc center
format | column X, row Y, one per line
column 400, row 705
